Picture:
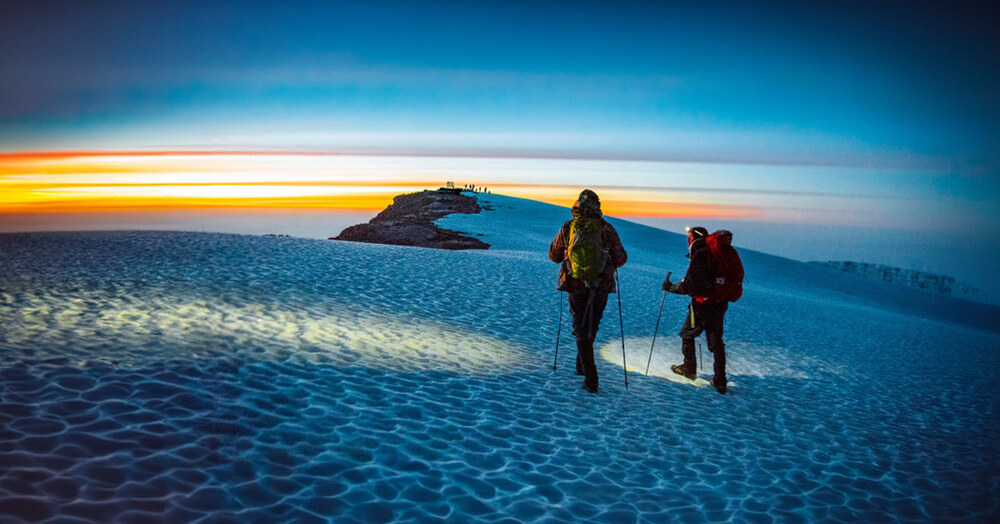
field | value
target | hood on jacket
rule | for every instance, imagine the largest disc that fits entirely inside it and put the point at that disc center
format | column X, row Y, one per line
column 587, row 204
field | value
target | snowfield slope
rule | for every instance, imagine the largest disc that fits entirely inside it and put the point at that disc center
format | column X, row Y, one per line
column 190, row 376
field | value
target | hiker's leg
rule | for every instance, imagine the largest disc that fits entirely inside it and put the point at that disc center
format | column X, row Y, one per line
column 714, row 324
column 718, row 349
column 586, row 350
column 577, row 308
column 690, row 331
column 690, row 359
column 600, row 302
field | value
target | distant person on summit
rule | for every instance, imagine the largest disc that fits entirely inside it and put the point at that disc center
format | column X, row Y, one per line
column 714, row 278
column 590, row 252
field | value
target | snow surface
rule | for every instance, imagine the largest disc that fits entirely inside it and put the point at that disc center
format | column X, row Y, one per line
column 186, row 376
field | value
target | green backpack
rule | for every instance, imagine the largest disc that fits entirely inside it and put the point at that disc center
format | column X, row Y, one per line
column 587, row 256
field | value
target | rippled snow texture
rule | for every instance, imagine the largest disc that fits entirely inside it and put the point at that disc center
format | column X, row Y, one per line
column 181, row 376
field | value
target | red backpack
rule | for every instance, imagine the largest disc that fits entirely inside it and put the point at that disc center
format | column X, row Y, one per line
column 728, row 282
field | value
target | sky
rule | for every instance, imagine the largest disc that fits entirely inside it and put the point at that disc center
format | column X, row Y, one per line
column 777, row 116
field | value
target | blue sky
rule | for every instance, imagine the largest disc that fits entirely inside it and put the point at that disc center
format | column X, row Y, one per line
column 896, row 103
column 900, row 82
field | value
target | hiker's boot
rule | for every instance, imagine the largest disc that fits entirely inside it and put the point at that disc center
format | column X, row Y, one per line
column 720, row 384
column 589, row 386
column 684, row 371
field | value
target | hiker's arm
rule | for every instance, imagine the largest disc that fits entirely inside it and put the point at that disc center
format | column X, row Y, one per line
column 696, row 282
column 557, row 250
column 616, row 251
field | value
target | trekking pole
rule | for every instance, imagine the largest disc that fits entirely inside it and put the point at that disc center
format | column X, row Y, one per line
column 701, row 359
column 657, row 328
column 621, row 322
column 558, row 331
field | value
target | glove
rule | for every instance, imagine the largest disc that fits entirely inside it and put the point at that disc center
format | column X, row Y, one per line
column 670, row 287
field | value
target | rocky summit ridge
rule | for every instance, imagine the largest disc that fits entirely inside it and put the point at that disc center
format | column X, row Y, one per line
column 409, row 221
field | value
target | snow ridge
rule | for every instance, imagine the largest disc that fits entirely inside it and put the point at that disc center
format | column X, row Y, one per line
column 185, row 376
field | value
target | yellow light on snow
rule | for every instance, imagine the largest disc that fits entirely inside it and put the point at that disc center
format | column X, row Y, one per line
column 170, row 327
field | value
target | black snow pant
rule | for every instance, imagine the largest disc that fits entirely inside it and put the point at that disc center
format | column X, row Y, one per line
column 709, row 318
column 587, row 308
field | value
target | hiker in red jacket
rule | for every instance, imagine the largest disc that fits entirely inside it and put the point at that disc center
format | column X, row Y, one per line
column 703, row 314
column 590, row 252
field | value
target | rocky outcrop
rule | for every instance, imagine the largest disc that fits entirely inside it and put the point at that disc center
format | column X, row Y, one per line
column 937, row 283
column 409, row 221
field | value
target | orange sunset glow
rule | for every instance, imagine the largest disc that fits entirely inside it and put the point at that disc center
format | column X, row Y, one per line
column 116, row 181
